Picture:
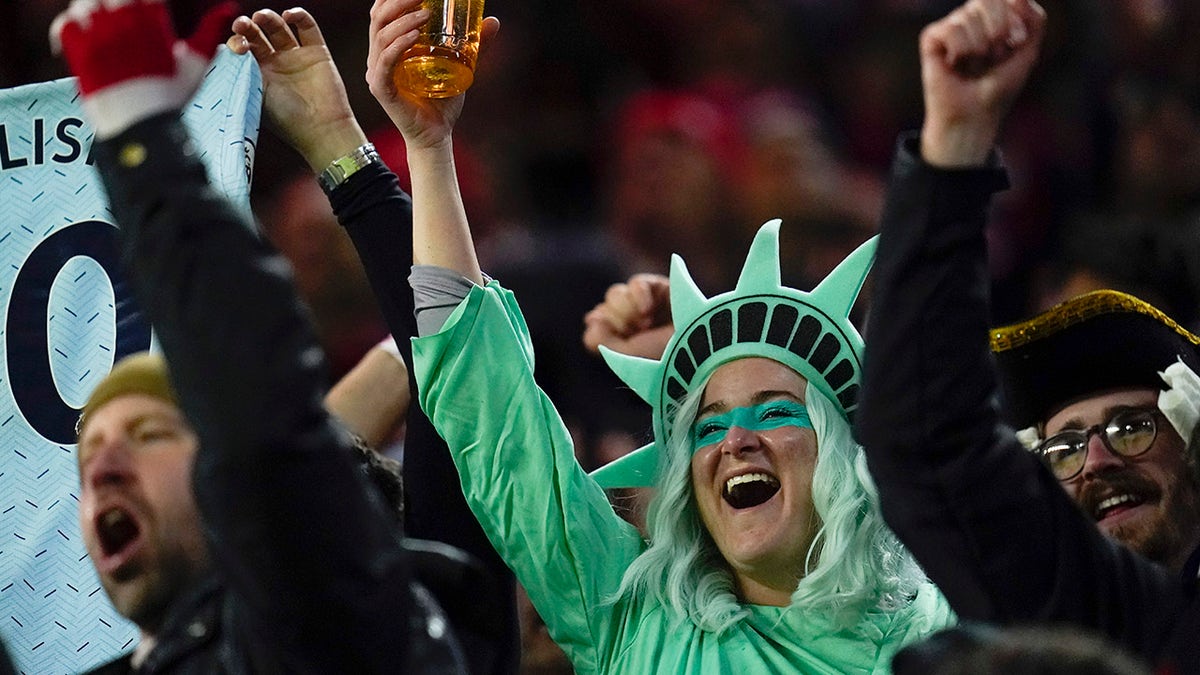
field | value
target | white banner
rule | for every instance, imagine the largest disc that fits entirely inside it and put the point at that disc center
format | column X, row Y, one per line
column 67, row 314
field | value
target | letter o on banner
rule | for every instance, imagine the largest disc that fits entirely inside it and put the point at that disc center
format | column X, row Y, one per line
column 28, row 329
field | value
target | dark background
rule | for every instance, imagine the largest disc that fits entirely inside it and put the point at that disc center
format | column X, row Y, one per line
column 601, row 136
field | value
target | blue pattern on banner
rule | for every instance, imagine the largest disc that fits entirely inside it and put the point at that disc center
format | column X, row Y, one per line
column 62, row 326
column 82, row 317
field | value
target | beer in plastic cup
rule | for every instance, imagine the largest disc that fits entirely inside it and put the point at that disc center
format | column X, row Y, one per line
column 442, row 62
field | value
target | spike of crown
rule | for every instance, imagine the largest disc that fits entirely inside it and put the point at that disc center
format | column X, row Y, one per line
column 809, row 332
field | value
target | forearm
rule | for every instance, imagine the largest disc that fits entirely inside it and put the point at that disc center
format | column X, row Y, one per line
column 371, row 400
column 441, row 234
column 926, row 402
column 927, row 372
column 216, row 293
column 335, row 138
column 959, row 143
column 377, row 215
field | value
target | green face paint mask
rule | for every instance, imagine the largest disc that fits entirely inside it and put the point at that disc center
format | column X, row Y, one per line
column 761, row 417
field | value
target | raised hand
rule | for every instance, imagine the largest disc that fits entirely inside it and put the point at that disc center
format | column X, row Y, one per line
column 303, row 94
column 635, row 317
column 395, row 24
column 974, row 62
column 129, row 62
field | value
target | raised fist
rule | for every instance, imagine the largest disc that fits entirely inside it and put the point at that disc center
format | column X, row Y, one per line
column 129, row 62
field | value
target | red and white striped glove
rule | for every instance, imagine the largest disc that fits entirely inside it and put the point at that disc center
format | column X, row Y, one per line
column 129, row 62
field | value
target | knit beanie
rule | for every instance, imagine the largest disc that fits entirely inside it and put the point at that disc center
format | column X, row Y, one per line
column 140, row 373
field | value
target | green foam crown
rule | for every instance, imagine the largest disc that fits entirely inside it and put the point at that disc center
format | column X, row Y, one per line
column 809, row 332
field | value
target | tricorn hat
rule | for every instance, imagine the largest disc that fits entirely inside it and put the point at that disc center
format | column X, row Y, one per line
column 1094, row 342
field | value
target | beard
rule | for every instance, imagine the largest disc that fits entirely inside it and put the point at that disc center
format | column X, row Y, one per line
column 1169, row 535
column 146, row 593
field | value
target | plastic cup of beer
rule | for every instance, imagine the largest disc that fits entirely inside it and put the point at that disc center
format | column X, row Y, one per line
column 442, row 63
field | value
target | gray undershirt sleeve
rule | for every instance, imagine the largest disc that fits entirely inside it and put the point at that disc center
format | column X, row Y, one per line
column 437, row 291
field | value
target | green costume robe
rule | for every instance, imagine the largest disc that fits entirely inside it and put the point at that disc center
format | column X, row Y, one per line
column 555, row 527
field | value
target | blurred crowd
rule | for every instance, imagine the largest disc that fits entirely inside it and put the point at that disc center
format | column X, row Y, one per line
column 603, row 136
column 614, row 133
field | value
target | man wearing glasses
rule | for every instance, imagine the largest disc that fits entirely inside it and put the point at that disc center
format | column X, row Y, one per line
column 1082, row 382
column 987, row 520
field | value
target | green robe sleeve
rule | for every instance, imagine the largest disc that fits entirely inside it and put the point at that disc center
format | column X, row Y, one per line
column 550, row 522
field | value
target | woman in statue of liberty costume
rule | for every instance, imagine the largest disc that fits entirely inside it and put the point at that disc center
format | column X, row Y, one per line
column 766, row 551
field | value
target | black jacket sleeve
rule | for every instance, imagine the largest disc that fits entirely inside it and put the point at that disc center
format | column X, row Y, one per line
column 992, row 528
column 377, row 215
column 312, row 557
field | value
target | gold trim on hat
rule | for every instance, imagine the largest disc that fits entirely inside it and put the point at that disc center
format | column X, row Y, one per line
column 1077, row 310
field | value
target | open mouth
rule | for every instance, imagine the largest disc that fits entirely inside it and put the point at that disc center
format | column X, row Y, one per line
column 1116, row 504
column 115, row 530
column 750, row 489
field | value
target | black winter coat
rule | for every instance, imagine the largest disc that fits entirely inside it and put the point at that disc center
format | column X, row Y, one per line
column 989, row 524
column 312, row 575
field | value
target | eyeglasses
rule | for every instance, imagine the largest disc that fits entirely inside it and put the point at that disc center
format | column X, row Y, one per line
column 1128, row 433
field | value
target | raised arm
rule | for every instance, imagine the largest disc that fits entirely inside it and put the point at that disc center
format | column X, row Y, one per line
column 303, row 95
column 974, row 62
column 372, row 399
column 927, row 397
column 305, row 100
column 310, row 556
column 634, row 318
column 515, row 458
column 441, row 234
column 930, row 298
column 991, row 527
